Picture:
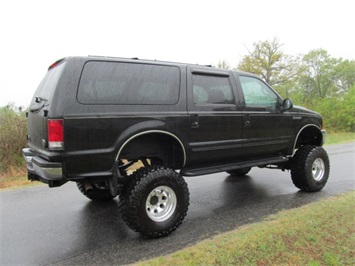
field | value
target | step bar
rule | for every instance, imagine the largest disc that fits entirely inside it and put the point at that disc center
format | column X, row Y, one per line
column 195, row 171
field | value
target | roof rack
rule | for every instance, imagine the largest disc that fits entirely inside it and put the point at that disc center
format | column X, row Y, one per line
column 155, row 60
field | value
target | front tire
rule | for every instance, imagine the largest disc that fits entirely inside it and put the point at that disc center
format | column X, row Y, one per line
column 310, row 168
column 155, row 201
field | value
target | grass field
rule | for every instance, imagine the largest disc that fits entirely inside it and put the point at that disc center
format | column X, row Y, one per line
column 321, row 233
column 338, row 138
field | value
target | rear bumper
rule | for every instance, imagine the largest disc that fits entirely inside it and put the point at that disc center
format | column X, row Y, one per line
column 42, row 170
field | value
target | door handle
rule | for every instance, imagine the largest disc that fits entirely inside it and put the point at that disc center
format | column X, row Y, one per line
column 194, row 121
column 194, row 124
column 247, row 123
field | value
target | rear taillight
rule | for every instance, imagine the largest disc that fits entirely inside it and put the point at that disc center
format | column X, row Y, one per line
column 55, row 134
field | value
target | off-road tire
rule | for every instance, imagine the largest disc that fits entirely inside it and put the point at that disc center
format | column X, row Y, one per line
column 95, row 191
column 239, row 172
column 310, row 168
column 143, row 209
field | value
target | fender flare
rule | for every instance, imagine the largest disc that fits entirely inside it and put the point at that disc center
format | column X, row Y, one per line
column 152, row 132
column 299, row 132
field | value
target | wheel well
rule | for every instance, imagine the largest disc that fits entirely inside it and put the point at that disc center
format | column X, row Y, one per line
column 160, row 147
column 310, row 135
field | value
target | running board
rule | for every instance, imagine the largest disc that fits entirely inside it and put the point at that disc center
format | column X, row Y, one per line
column 195, row 171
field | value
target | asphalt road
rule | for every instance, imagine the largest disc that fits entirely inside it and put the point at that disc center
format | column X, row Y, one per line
column 59, row 226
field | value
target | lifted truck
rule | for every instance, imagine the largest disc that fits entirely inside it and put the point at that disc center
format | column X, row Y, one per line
column 91, row 118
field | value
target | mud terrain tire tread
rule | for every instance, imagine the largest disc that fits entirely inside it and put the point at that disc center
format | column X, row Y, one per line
column 134, row 195
column 301, row 168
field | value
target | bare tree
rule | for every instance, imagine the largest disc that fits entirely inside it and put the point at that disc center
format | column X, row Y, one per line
column 267, row 60
column 223, row 64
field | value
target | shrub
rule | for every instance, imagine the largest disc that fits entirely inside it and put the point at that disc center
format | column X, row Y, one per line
column 338, row 113
column 13, row 132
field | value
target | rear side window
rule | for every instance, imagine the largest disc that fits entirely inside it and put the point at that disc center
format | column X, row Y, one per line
column 129, row 83
column 212, row 90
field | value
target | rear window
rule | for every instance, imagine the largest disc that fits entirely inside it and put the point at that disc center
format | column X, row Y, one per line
column 45, row 90
column 129, row 83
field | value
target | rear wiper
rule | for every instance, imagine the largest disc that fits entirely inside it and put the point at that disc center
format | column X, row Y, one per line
column 40, row 99
column 37, row 107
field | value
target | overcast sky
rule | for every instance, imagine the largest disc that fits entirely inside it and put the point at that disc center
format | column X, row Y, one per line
column 36, row 33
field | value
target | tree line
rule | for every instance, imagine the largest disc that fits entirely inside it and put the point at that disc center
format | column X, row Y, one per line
column 314, row 80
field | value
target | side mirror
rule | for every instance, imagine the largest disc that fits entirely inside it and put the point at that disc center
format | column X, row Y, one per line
column 287, row 104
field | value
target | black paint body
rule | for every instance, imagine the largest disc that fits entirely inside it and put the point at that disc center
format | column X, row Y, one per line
column 182, row 133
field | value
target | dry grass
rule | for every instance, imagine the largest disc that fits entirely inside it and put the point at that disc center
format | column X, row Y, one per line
column 14, row 182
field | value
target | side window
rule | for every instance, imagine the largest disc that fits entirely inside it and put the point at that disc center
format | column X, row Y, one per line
column 258, row 95
column 211, row 90
column 129, row 83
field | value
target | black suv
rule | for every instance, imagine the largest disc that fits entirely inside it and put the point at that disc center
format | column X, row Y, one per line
column 92, row 118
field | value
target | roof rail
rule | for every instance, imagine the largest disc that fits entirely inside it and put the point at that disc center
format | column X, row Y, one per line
column 155, row 60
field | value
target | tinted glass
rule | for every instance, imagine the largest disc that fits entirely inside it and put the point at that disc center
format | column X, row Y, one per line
column 212, row 90
column 128, row 83
column 45, row 90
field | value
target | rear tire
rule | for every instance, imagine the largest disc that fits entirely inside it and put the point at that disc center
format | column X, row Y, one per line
column 310, row 168
column 239, row 172
column 154, row 201
column 95, row 191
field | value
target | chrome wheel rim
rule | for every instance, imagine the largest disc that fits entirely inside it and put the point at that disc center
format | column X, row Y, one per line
column 318, row 169
column 161, row 204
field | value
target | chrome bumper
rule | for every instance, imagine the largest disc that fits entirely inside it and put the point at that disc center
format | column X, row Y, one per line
column 41, row 169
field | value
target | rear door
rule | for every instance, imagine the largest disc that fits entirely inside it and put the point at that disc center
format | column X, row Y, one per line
column 266, row 129
column 214, row 108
